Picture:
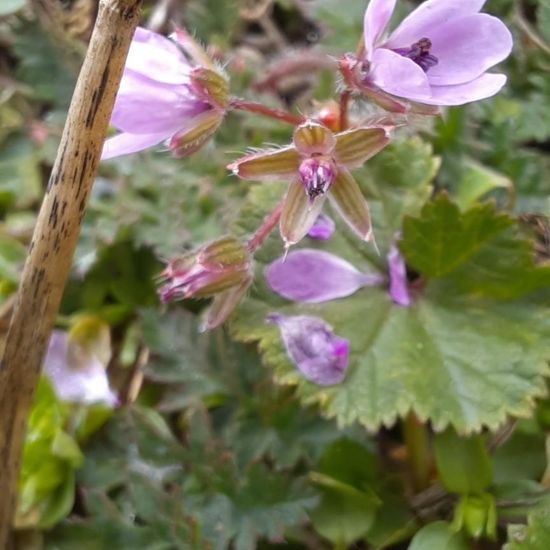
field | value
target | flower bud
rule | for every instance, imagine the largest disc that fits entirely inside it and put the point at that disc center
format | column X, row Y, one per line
column 317, row 175
column 214, row 268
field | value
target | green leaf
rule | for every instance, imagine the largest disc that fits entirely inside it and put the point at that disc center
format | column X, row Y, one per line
column 438, row 536
column 464, row 465
column 348, row 504
column 442, row 238
column 533, row 536
column 476, row 181
column 453, row 359
column 479, row 252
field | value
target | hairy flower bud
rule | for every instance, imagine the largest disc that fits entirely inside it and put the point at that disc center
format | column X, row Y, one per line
column 221, row 269
column 214, row 268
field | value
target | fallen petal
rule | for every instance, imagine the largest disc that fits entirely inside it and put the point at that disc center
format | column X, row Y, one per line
column 314, row 276
column 320, row 355
column 399, row 291
column 322, row 229
column 348, row 200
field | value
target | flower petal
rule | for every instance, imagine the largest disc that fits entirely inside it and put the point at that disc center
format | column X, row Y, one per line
column 144, row 106
column 313, row 276
column 267, row 165
column 487, row 85
column 157, row 58
column 322, row 229
column 355, row 147
column 312, row 138
column 124, row 144
column 377, row 17
column 76, row 375
column 320, row 355
column 466, row 47
column 399, row 291
column 427, row 17
column 347, row 198
column 398, row 75
column 299, row 213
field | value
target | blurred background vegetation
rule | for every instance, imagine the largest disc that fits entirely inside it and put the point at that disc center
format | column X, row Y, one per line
column 207, row 451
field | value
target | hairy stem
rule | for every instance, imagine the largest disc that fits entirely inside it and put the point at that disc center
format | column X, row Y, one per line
column 260, row 109
column 344, row 110
column 269, row 223
column 55, row 236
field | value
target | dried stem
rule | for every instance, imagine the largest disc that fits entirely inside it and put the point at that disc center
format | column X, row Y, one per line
column 55, row 236
column 269, row 223
column 259, row 109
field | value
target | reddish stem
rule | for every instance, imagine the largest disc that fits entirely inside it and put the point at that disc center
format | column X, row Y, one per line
column 269, row 223
column 260, row 109
column 345, row 96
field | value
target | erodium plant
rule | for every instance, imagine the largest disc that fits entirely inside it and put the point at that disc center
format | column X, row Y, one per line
column 173, row 93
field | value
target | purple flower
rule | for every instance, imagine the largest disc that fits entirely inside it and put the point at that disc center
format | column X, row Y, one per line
column 320, row 355
column 221, row 269
column 76, row 373
column 322, row 229
column 317, row 165
column 164, row 97
column 438, row 55
column 314, row 276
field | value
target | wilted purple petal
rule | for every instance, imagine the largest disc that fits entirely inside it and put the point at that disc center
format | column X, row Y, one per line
column 429, row 15
column 314, row 276
column 76, row 374
column 322, row 229
column 320, row 355
column 487, row 85
column 399, row 291
column 124, row 144
column 467, row 47
column 377, row 16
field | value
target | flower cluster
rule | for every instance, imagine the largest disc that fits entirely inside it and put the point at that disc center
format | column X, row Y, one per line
column 173, row 93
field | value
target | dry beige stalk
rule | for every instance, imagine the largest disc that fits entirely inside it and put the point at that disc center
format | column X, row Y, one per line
column 55, row 236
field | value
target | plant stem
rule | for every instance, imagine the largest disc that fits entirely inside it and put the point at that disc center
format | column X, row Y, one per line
column 56, row 232
column 417, row 442
column 260, row 109
column 269, row 223
column 345, row 96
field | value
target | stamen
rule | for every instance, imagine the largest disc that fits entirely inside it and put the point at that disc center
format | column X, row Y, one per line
column 419, row 52
column 317, row 176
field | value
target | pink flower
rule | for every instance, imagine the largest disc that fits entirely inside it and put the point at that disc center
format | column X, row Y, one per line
column 317, row 165
column 438, row 55
column 164, row 97
column 320, row 355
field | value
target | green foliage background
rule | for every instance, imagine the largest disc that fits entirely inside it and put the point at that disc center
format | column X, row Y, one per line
column 438, row 435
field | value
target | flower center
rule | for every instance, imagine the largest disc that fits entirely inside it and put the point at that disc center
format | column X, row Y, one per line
column 317, row 175
column 419, row 52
